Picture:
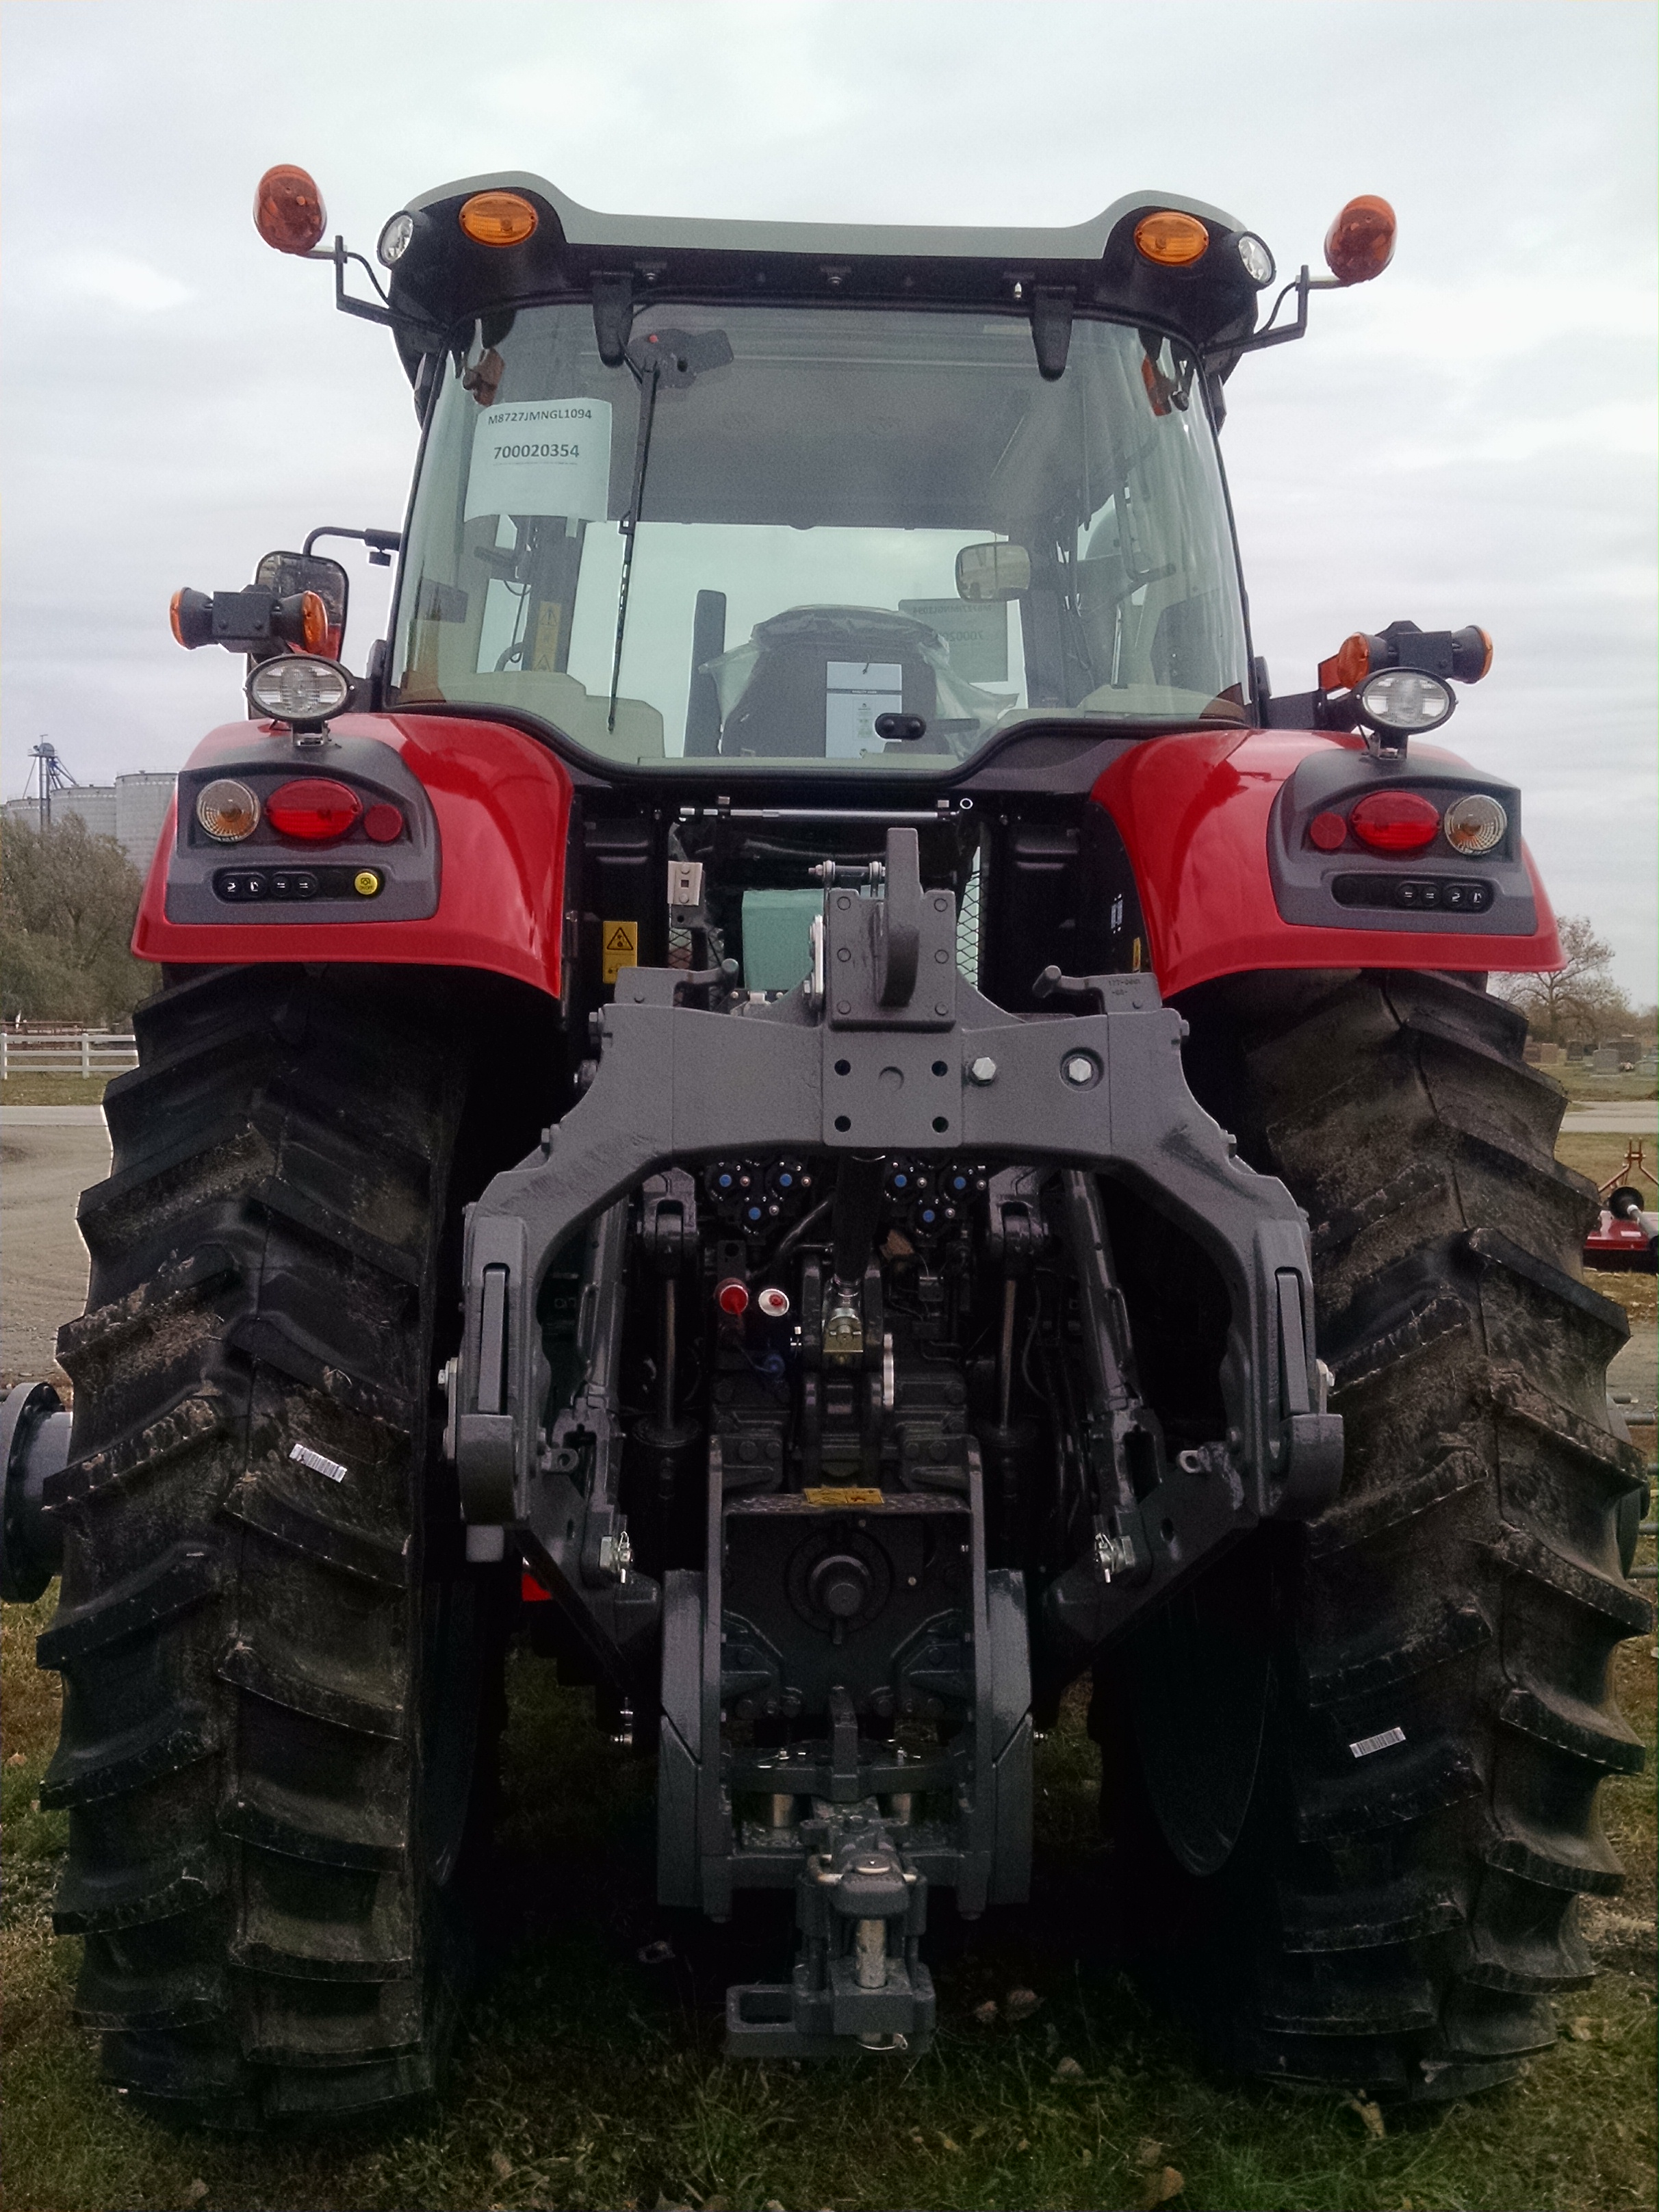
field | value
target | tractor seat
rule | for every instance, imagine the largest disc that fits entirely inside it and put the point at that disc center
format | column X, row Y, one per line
column 816, row 677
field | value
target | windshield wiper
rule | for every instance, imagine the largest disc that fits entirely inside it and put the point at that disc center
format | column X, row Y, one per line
column 680, row 357
column 648, row 372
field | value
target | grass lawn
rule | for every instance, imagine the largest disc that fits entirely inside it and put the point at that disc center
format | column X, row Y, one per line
column 590, row 2078
column 52, row 1090
column 1584, row 1088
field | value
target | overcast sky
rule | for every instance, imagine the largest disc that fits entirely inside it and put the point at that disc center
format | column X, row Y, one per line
column 1471, row 439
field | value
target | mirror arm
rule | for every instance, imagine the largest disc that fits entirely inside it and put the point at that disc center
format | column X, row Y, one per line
column 382, row 544
column 339, row 254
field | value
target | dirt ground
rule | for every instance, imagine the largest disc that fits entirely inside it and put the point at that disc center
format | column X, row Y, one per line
column 43, row 1172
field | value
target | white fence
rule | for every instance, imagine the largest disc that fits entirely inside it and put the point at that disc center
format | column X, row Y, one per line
column 69, row 1052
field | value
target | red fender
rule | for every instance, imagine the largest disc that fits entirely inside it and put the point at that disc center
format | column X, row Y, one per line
column 1193, row 814
column 502, row 806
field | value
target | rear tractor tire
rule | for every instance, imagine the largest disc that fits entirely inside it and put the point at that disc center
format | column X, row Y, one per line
column 280, row 1676
column 1398, row 1906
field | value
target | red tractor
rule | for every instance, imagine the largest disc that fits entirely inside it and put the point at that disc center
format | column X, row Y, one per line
column 810, row 1069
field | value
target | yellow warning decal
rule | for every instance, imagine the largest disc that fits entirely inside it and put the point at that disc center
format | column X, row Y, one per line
column 619, row 949
column 849, row 1496
column 544, row 653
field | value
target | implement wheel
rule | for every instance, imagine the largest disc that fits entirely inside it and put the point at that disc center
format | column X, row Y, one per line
column 281, row 1677
column 1398, row 1904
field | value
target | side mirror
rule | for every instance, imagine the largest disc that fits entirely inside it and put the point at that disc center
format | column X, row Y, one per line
column 284, row 573
column 993, row 572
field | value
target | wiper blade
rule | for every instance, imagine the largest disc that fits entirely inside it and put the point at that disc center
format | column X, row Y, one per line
column 648, row 373
column 680, row 357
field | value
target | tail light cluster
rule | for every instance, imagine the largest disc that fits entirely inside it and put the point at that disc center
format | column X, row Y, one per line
column 1408, row 821
column 312, row 809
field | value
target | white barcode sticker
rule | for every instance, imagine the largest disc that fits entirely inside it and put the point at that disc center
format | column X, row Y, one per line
column 542, row 457
column 318, row 1465
column 1368, row 1744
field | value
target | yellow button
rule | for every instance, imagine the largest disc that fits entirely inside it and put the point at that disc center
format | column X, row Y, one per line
column 366, row 882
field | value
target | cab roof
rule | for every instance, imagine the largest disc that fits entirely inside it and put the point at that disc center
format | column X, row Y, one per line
column 444, row 278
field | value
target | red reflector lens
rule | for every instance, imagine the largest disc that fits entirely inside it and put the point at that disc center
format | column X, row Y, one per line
column 383, row 823
column 315, row 808
column 1395, row 820
column 731, row 1296
column 531, row 1591
column 1329, row 832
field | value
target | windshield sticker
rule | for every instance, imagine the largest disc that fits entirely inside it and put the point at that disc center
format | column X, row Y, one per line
column 975, row 630
column 855, row 692
column 542, row 457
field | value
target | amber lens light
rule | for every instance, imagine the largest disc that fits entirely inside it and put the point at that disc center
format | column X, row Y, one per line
column 314, row 807
column 228, row 810
column 1347, row 665
column 191, row 614
column 314, row 617
column 1171, row 239
column 1395, row 820
column 1474, row 825
column 292, row 688
column 1359, row 243
column 1471, row 654
column 498, row 218
column 288, row 209
column 1404, row 699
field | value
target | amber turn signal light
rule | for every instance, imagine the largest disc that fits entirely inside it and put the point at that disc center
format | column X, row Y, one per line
column 288, row 209
column 315, row 626
column 1359, row 243
column 1471, row 654
column 1348, row 666
column 191, row 614
column 498, row 218
column 1173, row 241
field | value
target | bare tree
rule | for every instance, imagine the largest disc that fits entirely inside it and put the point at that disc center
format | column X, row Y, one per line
column 1579, row 1002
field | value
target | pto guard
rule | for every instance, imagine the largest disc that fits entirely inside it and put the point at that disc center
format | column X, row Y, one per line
column 500, row 806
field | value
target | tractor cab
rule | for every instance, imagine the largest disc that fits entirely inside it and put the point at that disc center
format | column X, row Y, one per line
column 865, row 535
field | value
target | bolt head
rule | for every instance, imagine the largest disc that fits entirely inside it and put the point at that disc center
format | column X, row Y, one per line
column 1079, row 1069
column 982, row 1069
